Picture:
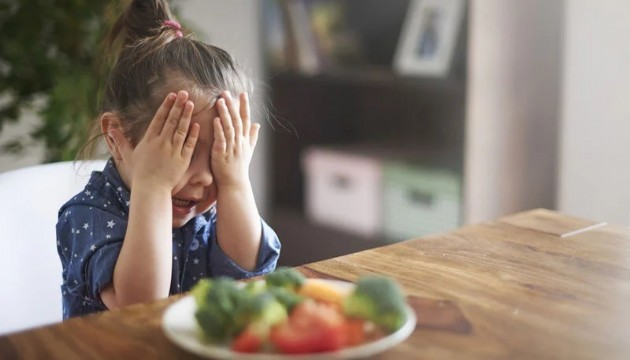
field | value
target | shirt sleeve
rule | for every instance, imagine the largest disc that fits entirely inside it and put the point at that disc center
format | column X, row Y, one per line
column 268, row 254
column 93, row 238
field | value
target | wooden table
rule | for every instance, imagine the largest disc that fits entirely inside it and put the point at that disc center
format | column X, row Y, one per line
column 534, row 285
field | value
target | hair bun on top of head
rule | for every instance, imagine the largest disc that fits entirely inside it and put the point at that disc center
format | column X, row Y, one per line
column 175, row 26
column 144, row 19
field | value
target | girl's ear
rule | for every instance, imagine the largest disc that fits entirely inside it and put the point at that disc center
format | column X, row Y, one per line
column 110, row 121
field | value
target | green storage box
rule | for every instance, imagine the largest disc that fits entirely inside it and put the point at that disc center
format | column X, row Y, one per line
column 418, row 201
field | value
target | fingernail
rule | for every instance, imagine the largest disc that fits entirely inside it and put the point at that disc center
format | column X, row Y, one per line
column 171, row 96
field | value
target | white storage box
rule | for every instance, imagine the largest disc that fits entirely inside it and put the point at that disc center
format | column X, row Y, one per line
column 419, row 201
column 343, row 190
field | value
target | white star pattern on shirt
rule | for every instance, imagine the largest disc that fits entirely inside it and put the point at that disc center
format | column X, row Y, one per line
column 88, row 192
column 119, row 188
column 127, row 202
column 110, row 224
column 93, row 247
column 78, row 231
column 196, row 261
column 85, row 226
column 107, row 236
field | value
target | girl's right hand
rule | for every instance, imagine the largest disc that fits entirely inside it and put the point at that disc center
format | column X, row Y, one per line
column 163, row 154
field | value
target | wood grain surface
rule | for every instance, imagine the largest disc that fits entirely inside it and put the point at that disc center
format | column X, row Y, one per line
column 508, row 289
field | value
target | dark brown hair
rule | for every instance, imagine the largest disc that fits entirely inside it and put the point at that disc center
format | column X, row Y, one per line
column 151, row 58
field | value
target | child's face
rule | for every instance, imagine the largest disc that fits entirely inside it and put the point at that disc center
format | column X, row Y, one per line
column 197, row 191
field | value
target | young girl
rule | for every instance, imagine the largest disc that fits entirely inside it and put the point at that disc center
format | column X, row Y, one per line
column 174, row 203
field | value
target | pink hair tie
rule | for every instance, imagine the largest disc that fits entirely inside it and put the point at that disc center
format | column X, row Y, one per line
column 174, row 25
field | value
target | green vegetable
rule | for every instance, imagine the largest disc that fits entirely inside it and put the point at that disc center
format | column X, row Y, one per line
column 260, row 312
column 378, row 299
column 255, row 287
column 286, row 297
column 224, row 308
column 286, row 277
column 218, row 301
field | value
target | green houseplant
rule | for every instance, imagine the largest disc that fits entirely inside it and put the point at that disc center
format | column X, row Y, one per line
column 51, row 50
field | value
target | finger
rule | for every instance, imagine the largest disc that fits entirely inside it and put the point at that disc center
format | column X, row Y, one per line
column 174, row 116
column 184, row 123
column 226, row 121
column 220, row 143
column 121, row 142
column 245, row 115
column 253, row 135
column 191, row 141
column 156, row 125
column 233, row 108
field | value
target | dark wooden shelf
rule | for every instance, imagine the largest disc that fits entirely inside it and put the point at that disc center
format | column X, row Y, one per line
column 358, row 102
column 367, row 75
column 304, row 242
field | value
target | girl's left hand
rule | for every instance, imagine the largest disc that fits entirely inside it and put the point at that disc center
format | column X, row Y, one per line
column 235, row 138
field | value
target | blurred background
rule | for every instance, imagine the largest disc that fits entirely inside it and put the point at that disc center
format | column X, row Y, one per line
column 389, row 119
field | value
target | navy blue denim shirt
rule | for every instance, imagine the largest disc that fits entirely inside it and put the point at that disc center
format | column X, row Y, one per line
column 90, row 232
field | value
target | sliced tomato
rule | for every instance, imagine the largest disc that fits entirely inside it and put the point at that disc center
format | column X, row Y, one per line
column 247, row 341
column 354, row 330
column 312, row 327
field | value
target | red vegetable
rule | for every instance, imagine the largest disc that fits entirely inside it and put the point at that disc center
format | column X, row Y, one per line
column 354, row 330
column 248, row 341
column 312, row 327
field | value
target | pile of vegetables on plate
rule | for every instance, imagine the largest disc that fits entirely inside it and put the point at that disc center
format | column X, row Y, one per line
column 290, row 314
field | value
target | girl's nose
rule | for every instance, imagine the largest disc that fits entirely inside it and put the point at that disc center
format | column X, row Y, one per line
column 200, row 173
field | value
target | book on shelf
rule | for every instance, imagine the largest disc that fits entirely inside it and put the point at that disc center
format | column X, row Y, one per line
column 301, row 44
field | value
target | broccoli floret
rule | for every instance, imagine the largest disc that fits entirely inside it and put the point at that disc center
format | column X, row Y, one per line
column 286, row 277
column 260, row 312
column 378, row 299
column 217, row 303
column 255, row 287
column 286, row 297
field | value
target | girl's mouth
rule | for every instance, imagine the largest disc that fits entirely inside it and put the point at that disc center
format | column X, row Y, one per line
column 182, row 203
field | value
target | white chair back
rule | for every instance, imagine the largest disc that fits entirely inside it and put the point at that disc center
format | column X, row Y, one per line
column 30, row 269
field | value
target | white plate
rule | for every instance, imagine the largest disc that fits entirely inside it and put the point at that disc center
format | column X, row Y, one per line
column 180, row 326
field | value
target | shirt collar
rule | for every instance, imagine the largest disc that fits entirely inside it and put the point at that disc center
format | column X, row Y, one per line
column 113, row 178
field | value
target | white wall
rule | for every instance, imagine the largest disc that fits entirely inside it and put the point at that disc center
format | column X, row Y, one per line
column 513, row 104
column 594, row 177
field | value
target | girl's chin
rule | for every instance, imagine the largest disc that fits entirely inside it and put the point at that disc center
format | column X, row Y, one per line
column 179, row 222
column 182, row 215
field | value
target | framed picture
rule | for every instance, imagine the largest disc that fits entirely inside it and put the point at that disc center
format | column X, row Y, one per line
column 428, row 37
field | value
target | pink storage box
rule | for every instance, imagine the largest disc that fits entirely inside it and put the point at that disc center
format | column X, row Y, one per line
column 343, row 190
